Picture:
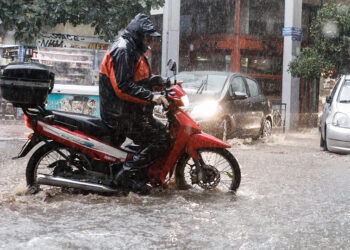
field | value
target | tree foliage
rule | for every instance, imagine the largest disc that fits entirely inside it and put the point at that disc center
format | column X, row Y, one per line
column 29, row 17
column 330, row 53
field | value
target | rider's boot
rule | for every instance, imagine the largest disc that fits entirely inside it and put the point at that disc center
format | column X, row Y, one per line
column 131, row 181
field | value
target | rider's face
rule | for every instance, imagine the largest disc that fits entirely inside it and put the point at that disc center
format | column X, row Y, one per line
column 147, row 41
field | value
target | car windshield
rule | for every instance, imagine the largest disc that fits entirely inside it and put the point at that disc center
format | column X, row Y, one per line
column 209, row 82
column 344, row 96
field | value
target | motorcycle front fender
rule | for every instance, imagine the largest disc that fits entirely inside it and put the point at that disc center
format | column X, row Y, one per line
column 203, row 140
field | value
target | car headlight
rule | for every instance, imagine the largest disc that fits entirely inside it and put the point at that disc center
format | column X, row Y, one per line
column 185, row 100
column 341, row 120
column 205, row 110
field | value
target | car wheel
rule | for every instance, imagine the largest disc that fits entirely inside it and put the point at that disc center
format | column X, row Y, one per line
column 321, row 141
column 325, row 148
column 267, row 128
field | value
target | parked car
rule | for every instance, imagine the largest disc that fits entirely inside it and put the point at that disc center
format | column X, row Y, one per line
column 335, row 120
column 227, row 104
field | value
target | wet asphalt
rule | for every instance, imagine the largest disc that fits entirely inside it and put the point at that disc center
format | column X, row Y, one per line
column 293, row 195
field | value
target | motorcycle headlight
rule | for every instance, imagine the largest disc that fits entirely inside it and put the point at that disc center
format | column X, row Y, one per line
column 341, row 120
column 185, row 100
column 205, row 110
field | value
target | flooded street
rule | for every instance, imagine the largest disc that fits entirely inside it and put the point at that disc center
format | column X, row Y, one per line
column 85, row 75
column 293, row 195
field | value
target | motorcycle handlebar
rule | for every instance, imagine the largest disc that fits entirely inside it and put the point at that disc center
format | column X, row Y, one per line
column 166, row 92
column 157, row 80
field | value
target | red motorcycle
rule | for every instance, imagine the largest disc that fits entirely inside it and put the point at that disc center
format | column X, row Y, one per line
column 81, row 152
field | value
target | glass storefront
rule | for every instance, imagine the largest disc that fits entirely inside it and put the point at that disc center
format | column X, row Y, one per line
column 202, row 23
column 155, row 54
column 208, row 40
column 262, row 17
column 72, row 66
column 203, row 17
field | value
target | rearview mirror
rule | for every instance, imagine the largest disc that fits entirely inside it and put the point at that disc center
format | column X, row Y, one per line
column 172, row 66
column 239, row 95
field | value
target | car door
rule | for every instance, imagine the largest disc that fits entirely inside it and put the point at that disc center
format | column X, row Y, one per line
column 237, row 108
column 255, row 107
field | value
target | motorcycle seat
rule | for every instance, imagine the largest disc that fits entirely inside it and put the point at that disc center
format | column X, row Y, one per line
column 89, row 125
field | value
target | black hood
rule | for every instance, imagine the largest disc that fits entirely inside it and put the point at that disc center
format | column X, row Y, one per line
column 138, row 28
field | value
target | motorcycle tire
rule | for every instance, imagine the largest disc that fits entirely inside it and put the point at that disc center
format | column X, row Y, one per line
column 38, row 159
column 184, row 160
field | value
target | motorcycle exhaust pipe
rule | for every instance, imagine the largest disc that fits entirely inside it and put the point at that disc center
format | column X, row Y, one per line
column 44, row 179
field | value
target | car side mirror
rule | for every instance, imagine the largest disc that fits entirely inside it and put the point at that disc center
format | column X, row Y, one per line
column 329, row 99
column 239, row 95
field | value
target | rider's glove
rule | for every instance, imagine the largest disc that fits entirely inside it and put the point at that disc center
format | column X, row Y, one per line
column 160, row 99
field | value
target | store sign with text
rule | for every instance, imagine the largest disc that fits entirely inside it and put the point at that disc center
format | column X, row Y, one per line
column 57, row 40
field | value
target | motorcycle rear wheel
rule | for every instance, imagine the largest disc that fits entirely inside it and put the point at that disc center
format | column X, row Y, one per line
column 216, row 160
column 46, row 160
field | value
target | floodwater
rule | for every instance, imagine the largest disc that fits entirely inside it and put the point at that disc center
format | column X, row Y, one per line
column 292, row 196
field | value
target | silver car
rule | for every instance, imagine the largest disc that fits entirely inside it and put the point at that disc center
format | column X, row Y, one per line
column 335, row 121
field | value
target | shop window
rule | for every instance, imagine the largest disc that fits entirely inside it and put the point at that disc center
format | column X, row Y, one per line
column 263, row 17
column 199, row 17
column 72, row 66
column 271, row 88
column 212, row 59
column 186, row 24
column 261, row 63
column 155, row 54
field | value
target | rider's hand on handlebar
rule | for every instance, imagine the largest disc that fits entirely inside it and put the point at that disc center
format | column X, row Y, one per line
column 160, row 99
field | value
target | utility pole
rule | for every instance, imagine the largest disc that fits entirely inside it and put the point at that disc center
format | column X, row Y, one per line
column 171, row 33
column 292, row 33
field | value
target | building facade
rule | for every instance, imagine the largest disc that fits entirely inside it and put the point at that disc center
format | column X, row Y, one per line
column 247, row 36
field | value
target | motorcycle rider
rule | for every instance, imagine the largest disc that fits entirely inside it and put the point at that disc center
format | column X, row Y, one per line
column 126, row 103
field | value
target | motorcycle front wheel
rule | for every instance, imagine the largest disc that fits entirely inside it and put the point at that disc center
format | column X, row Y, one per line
column 219, row 170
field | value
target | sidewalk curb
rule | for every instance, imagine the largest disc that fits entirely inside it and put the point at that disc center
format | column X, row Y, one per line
column 13, row 139
column 11, row 122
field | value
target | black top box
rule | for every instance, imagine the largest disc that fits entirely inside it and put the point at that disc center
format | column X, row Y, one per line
column 26, row 84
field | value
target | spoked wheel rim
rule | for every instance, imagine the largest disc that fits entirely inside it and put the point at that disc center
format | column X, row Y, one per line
column 45, row 166
column 52, row 163
column 222, row 175
column 267, row 128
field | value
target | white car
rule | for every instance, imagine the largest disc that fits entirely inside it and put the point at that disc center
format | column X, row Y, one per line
column 335, row 121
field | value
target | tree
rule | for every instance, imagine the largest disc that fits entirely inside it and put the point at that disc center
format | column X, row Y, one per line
column 29, row 17
column 330, row 52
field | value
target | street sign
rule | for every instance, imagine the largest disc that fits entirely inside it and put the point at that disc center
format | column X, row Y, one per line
column 294, row 32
